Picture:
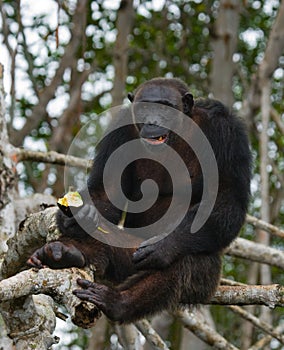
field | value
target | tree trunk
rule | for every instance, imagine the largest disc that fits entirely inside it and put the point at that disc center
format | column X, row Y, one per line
column 125, row 17
column 224, row 42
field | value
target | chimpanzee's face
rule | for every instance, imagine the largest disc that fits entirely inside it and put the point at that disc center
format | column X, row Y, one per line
column 154, row 109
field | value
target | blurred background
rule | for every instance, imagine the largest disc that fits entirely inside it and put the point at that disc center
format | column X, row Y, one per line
column 67, row 61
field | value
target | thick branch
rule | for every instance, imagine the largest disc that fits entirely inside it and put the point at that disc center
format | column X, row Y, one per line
column 60, row 283
column 243, row 248
column 33, row 322
column 57, row 283
column 269, row 295
column 32, row 234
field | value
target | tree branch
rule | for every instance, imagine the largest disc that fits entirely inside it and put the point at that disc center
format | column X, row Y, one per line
column 41, row 227
column 277, row 119
column 264, row 226
column 36, row 331
column 32, row 234
column 58, row 284
column 151, row 335
column 264, row 326
column 260, row 344
column 269, row 295
column 20, row 154
column 261, row 253
column 198, row 327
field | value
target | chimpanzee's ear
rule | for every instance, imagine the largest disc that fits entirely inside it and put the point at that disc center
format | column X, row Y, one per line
column 130, row 96
column 188, row 103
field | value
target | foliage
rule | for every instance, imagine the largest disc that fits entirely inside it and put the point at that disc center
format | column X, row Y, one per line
column 171, row 38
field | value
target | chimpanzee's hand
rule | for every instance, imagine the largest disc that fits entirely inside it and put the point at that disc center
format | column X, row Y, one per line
column 107, row 299
column 151, row 255
column 57, row 255
column 86, row 219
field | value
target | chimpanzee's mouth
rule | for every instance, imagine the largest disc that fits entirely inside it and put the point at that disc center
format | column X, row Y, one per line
column 154, row 134
column 156, row 140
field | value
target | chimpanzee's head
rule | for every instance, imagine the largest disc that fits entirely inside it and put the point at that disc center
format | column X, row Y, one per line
column 153, row 104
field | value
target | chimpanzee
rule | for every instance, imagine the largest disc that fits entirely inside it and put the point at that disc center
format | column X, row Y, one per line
column 182, row 267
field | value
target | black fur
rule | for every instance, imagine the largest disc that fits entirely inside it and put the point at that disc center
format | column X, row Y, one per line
column 183, row 267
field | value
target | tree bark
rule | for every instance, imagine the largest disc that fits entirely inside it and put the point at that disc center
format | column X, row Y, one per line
column 125, row 17
column 7, row 177
column 224, row 42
